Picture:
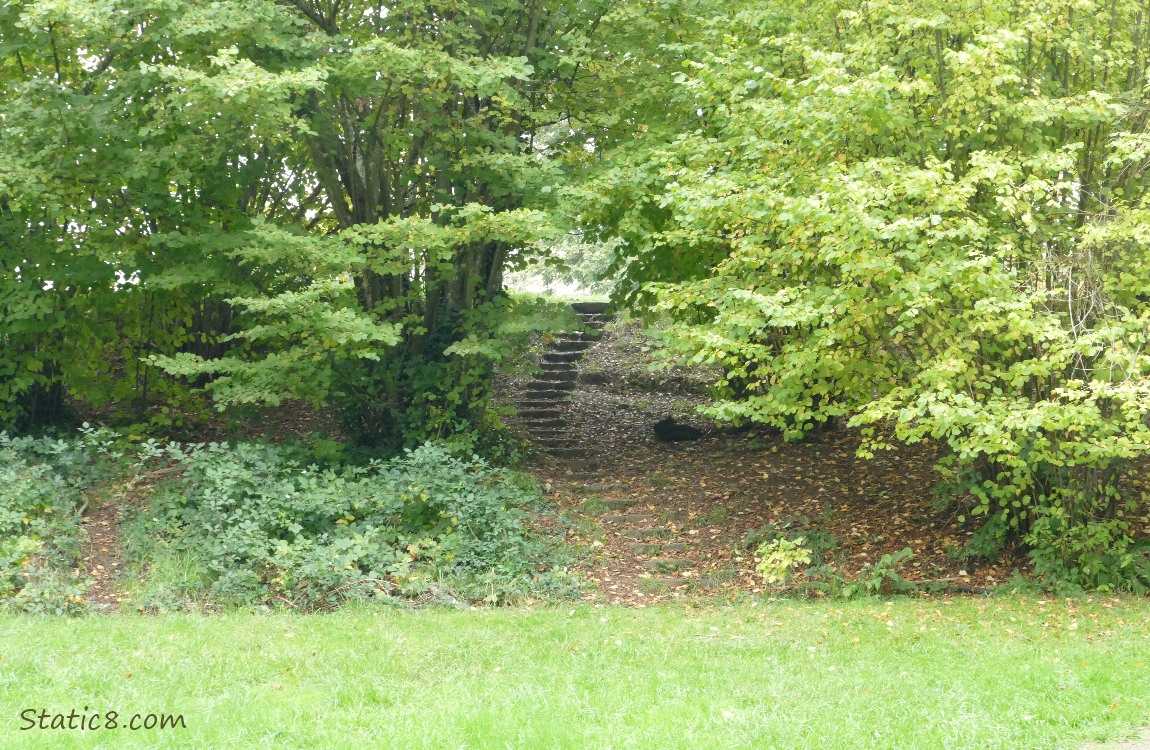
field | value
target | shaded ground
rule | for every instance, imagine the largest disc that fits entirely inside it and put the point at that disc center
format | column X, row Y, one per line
column 665, row 519
column 100, row 553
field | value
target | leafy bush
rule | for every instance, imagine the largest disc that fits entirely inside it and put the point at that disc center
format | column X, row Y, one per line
column 821, row 543
column 881, row 577
column 1095, row 555
column 39, row 532
column 930, row 217
column 443, row 392
column 261, row 524
column 780, row 557
column 794, row 551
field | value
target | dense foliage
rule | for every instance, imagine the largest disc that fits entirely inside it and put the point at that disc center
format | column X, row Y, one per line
column 287, row 526
column 255, row 524
column 306, row 200
column 39, row 526
column 930, row 217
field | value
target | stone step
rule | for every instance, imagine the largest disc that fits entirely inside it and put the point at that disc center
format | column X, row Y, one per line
column 569, row 452
column 557, row 442
column 655, row 548
column 651, row 532
column 551, row 357
column 554, row 439
column 618, row 503
column 557, row 376
column 541, row 393
column 551, row 413
column 554, row 375
column 558, row 398
column 546, row 432
column 539, row 403
column 582, row 469
column 537, row 386
column 544, row 382
column 551, row 376
column 595, row 308
column 552, row 406
column 556, row 422
column 570, row 346
column 593, row 333
column 620, row 518
column 590, row 328
column 667, row 564
column 563, row 366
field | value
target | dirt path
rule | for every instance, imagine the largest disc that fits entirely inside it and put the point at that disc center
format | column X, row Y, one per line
column 100, row 554
column 672, row 519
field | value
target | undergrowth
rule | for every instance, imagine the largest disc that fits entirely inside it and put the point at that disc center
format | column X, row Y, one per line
column 40, row 533
column 258, row 524
column 801, row 556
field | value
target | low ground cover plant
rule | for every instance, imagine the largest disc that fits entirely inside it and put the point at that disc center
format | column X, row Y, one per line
column 801, row 556
column 39, row 527
column 261, row 524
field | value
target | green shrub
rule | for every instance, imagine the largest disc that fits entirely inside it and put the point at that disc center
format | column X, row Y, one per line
column 822, row 544
column 780, row 558
column 39, row 533
column 1090, row 555
column 267, row 525
column 796, row 552
column 94, row 457
column 881, row 577
column 871, row 223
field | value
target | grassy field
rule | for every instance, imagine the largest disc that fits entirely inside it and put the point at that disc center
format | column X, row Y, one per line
column 999, row 673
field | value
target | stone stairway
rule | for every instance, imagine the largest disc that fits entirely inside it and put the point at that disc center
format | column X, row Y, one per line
column 650, row 549
column 654, row 550
column 658, row 553
column 541, row 409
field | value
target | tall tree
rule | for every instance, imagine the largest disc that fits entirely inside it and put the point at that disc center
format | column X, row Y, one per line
column 336, row 186
column 930, row 217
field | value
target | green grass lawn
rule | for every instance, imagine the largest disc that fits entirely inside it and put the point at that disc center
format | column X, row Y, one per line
column 997, row 673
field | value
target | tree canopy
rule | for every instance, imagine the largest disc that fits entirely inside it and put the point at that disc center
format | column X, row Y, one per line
column 257, row 195
column 929, row 218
